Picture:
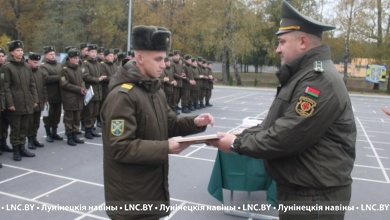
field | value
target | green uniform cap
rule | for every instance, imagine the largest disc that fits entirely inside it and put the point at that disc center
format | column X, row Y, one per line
column 293, row 20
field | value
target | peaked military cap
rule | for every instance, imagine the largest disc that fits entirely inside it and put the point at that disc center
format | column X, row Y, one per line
column 187, row 57
column 34, row 56
column 73, row 52
column 92, row 47
column 2, row 50
column 47, row 49
column 150, row 38
column 166, row 59
column 293, row 20
column 200, row 59
column 193, row 60
column 176, row 52
column 14, row 44
column 108, row 51
column 68, row 48
column 100, row 50
column 208, row 63
column 170, row 54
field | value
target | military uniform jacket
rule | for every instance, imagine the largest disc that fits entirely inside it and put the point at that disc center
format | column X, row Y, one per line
column 167, row 86
column 195, row 74
column 189, row 75
column 19, row 87
column 71, row 85
column 91, row 74
column 39, row 80
column 136, row 125
column 307, row 141
column 205, row 81
column 51, row 70
column 108, row 69
column 2, row 95
column 176, row 71
column 211, row 81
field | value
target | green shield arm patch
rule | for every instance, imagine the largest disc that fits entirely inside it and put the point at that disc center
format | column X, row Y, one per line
column 117, row 127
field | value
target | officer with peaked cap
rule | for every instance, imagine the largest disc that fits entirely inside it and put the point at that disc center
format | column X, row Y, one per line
column 308, row 138
column 21, row 98
column 137, row 126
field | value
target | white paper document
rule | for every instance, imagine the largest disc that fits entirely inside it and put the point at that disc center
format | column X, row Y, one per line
column 88, row 96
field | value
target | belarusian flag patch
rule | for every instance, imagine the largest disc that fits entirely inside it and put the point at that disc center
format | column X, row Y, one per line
column 313, row 92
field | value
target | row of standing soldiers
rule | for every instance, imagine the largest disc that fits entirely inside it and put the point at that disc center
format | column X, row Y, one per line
column 27, row 88
column 187, row 80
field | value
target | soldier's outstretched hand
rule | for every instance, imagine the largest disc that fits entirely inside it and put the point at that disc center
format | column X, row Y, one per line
column 204, row 119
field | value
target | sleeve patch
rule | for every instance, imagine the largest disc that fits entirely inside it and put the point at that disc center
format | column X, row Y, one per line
column 305, row 106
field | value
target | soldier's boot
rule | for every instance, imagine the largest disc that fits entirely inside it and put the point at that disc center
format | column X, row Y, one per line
column 30, row 143
column 36, row 142
column 70, row 140
column 78, row 132
column 185, row 110
column 88, row 133
column 94, row 133
column 98, row 122
column 82, row 126
column 1, row 152
column 208, row 104
column 76, row 139
column 16, row 155
column 4, row 146
column 48, row 135
column 176, row 110
column 24, row 152
column 55, row 136
column 1, row 165
column 197, row 106
column 191, row 107
column 202, row 105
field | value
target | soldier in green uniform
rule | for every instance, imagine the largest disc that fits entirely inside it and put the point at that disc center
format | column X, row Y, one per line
column 51, row 69
column 195, row 86
column 21, row 98
column 205, row 84
column 109, row 68
column 35, row 118
column 4, row 124
column 167, row 82
column 211, row 81
column 92, row 76
column 186, row 76
column 137, row 128
column 176, row 66
column 73, row 91
column 308, row 137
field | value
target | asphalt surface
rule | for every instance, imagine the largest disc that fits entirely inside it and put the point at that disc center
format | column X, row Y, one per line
column 64, row 182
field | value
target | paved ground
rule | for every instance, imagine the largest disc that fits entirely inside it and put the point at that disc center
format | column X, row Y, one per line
column 63, row 177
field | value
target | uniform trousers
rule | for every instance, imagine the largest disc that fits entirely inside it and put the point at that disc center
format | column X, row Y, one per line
column 34, row 122
column 54, row 117
column 71, row 121
column 91, row 112
column 19, row 127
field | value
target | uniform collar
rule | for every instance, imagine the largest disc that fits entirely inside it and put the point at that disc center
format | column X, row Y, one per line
column 304, row 61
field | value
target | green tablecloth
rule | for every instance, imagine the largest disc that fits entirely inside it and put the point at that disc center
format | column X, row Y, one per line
column 237, row 172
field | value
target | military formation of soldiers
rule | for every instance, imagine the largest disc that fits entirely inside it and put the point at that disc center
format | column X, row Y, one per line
column 28, row 87
column 187, row 80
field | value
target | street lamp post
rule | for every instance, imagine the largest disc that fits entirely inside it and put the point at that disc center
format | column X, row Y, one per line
column 129, row 28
